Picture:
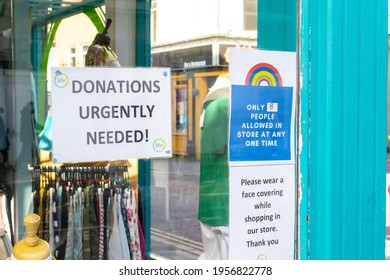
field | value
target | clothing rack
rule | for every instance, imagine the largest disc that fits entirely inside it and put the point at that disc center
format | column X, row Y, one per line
column 81, row 168
column 93, row 210
column 83, row 174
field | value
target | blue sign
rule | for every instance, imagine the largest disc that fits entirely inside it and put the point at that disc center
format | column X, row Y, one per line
column 260, row 123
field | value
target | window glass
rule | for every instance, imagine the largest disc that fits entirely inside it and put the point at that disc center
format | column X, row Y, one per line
column 250, row 15
column 84, row 49
column 180, row 107
column 72, row 57
column 192, row 45
column 182, row 186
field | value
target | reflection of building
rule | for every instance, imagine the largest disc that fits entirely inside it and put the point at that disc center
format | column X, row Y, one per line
column 193, row 46
column 73, row 37
column 194, row 70
column 77, row 34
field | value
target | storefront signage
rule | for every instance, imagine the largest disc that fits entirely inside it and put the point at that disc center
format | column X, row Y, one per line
column 191, row 58
column 261, row 124
column 110, row 113
column 262, row 212
column 194, row 57
column 261, row 155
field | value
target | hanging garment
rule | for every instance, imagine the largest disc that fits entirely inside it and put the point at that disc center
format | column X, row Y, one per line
column 41, row 198
column 90, row 226
column 70, row 234
column 124, row 216
column 57, row 211
column 132, row 218
column 106, row 217
column 78, row 223
column 118, row 247
column 46, row 231
column 215, row 242
column 5, row 210
column 61, row 243
column 31, row 205
column 52, row 212
column 100, row 208
column 141, row 224
column 3, row 217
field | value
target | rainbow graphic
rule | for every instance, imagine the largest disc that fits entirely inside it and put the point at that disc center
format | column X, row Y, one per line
column 263, row 74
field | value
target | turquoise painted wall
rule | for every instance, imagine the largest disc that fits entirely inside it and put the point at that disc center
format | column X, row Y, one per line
column 345, row 94
column 277, row 25
column 342, row 120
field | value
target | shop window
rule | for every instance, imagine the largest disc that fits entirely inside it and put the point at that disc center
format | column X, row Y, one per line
column 180, row 96
column 72, row 57
column 250, row 15
column 84, row 49
column 171, row 195
column 153, row 20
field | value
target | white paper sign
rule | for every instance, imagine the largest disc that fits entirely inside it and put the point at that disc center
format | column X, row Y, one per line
column 262, row 212
column 110, row 113
column 262, row 155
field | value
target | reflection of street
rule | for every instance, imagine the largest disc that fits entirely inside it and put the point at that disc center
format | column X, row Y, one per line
column 166, row 245
column 175, row 229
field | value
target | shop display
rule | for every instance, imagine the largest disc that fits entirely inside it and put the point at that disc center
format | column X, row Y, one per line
column 100, row 53
column 213, row 212
column 88, row 212
column 31, row 247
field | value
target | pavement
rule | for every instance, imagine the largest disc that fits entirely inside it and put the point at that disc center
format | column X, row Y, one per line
column 175, row 229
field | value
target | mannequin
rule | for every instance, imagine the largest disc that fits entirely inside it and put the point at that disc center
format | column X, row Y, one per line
column 214, row 170
column 100, row 53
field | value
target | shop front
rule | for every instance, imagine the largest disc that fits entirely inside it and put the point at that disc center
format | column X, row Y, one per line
column 137, row 155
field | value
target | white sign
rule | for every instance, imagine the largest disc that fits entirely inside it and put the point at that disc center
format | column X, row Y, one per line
column 110, row 113
column 262, row 212
column 262, row 68
column 262, row 155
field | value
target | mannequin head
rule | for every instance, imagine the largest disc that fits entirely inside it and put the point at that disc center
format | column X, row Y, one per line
column 102, row 39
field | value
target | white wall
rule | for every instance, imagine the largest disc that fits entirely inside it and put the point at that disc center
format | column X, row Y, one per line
column 73, row 32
